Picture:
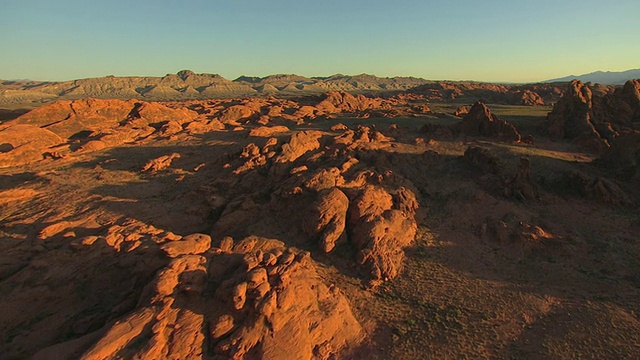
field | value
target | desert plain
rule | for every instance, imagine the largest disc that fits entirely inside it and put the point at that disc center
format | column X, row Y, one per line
column 193, row 217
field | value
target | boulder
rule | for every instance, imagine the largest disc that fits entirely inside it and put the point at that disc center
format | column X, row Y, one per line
column 299, row 143
column 190, row 244
column 160, row 163
column 380, row 232
column 267, row 131
column 328, row 217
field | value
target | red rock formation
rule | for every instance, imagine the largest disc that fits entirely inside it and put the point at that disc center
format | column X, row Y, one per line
column 481, row 122
column 23, row 144
column 482, row 159
column 260, row 300
column 595, row 118
column 343, row 102
column 528, row 97
column 462, row 110
column 380, row 231
column 299, row 143
column 160, row 163
column 328, row 218
column 571, row 117
column 232, row 114
column 66, row 118
column 521, row 186
column 590, row 187
column 100, row 124
column 268, row 131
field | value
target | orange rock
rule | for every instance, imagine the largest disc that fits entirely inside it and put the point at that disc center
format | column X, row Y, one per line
column 269, row 322
column 161, row 163
column 23, row 144
column 299, row 143
column 232, row 114
column 267, row 131
column 328, row 218
column 190, row 244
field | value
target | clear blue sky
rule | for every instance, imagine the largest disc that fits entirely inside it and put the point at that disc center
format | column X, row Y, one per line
column 490, row 40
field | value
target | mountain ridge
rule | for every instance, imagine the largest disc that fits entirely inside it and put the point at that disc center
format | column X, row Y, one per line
column 188, row 85
column 601, row 77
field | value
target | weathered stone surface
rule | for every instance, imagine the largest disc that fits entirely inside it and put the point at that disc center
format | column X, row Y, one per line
column 327, row 219
column 259, row 313
column 299, row 143
column 190, row 244
column 160, row 163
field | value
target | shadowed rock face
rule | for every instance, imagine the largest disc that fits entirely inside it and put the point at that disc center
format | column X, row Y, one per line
column 623, row 157
column 479, row 121
column 594, row 118
column 572, row 118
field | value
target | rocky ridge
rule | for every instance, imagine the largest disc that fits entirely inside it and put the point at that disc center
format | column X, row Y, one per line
column 594, row 116
column 187, row 85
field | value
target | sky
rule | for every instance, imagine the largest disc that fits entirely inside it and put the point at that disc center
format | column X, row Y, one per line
column 489, row 40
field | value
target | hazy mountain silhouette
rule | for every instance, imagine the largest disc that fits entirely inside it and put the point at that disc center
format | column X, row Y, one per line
column 602, row 77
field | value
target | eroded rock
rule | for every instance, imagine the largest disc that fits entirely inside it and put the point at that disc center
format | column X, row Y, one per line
column 481, row 122
column 269, row 312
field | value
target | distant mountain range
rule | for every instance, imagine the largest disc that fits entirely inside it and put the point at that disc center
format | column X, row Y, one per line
column 602, row 77
column 188, row 85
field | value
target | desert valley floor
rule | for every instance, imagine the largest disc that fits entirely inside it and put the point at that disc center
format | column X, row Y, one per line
column 332, row 226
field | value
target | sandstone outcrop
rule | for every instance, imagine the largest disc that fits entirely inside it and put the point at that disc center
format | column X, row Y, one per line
column 22, row 144
column 595, row 188
column 521, row 185
column 462, row 110
column 161, row 163
column 531, row 98
column 299, row 143
column 481, row 122
column 380, row 231
column 572, row 117
column 189, row 245
column 316, row 191
column 328, row 218
column 261, row 300
column 344, row 102
column 481, row 158
column 594, row 118
column 267, row 131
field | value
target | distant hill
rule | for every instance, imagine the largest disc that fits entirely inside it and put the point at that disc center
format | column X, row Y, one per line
column 602, row 77
column 187, row 85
